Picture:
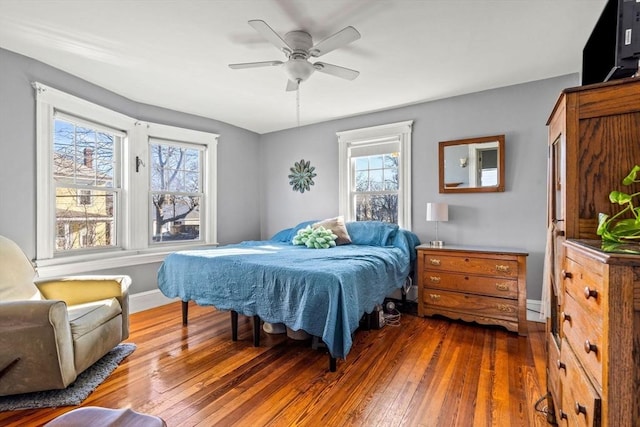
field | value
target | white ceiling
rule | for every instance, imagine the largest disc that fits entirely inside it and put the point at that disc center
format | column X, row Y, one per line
column 174, row 53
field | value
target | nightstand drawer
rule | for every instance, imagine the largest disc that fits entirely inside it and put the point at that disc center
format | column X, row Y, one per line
column 584, row 334
column 580, row 401
column 499, row 308
column 481, row 285
column 472, row 265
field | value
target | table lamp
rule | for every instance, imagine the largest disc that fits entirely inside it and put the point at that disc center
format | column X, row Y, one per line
column 437, row 212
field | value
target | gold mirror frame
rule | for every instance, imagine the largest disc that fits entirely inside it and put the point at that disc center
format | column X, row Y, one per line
column 469, row 164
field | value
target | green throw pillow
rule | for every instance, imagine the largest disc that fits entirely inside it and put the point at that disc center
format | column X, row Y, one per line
column 315, row 238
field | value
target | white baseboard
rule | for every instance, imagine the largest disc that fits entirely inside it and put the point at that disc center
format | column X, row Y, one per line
column 533, row 310
column 149, row 299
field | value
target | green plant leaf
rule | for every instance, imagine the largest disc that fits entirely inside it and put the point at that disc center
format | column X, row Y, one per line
column 625, row 227
column 602, row 223
column 619, row 197
column 631, row 178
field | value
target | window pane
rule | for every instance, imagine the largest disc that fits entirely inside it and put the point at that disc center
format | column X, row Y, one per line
column 175, row 218
column 175, row 168
column 391, row 179
column 391, row 160
column 84, row 219
column 362, row 181
column 83, row 156
column 376, row 182
column 375, row 162
column 377, row 207
column 362, row 163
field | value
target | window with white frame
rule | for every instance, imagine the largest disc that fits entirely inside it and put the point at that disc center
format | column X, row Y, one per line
column 87, row 182
column 176, row 196
column 102, row 177
column 374, row 174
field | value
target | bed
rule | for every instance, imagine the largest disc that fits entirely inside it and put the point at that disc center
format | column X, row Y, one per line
column 324, row 292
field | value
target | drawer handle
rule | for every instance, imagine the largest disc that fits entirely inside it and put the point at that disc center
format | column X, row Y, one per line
column 502, row 268
column 434, row 297
column 563, row 415
column 502, row 286
column 566, row 274
column 565, row 317
column 589, row 347
column 589, row 293
column 504, row 308
column 435, row 279
column 561, row 365
column 434, row 261
column 580, row 409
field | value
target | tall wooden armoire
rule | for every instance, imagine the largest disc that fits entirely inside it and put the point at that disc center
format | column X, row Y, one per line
column 593, row 337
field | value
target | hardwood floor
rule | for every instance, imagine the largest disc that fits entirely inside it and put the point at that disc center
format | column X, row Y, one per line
column 427, row 372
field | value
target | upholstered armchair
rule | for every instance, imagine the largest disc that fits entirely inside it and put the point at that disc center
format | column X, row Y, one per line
column 51, row 330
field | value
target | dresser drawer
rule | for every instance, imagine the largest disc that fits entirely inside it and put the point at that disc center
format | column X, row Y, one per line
column 499, row 308
column 584, row 332
column 555, row 375
column 482, row 285
column 585, row 286
column 471, row 265
column 580, row 401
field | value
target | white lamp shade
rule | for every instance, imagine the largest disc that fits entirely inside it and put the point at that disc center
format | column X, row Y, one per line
column 437, row 212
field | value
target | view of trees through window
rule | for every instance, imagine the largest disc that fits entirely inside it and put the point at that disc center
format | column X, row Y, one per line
column 376, row 187
column 86, row 185
column 176, row 194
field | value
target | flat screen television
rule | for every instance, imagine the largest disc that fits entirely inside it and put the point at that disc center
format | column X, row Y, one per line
column 613, row 49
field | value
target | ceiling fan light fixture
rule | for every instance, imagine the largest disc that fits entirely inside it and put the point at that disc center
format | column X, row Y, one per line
column 298, row 69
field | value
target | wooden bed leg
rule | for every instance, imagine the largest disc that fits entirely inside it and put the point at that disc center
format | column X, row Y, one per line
column 256, row 331
column 234, row 325
column 185, row 312
column 332, row 363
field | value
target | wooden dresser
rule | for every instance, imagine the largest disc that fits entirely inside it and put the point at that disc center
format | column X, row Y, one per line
column 597, row 367
column 474, row 284
column 594, row 141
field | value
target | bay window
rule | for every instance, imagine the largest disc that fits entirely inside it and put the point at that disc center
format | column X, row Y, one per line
column 113, row 190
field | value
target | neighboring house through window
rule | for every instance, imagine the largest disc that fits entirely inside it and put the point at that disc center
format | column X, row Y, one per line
column 103, row 178
column 375, row 171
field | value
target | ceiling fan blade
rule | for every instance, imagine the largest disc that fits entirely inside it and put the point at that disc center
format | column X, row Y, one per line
column 267, row 32
column 291, row 85
column 335, row 70
column 339, row 39
column 255, row 64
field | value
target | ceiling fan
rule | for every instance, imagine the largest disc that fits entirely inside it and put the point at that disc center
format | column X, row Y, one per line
column 298, row 47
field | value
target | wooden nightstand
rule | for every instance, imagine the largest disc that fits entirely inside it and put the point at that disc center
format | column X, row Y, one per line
column 475, row 284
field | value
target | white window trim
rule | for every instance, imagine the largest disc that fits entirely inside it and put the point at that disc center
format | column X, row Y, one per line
column 400, row 131
column 134, row 210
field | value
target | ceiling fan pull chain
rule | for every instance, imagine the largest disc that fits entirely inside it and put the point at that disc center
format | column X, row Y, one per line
column 298, row 104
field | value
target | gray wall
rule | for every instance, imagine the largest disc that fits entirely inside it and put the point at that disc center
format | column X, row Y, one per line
column 515, row 218
column 258, row 201
column 238, row 197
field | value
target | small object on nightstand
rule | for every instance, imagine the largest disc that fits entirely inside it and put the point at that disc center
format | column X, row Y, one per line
column 437, row 212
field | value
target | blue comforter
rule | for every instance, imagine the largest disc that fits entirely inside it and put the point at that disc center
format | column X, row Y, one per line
column 324, row 292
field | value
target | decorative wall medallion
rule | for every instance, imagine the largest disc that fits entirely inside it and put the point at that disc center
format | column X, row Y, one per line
column 301, row 177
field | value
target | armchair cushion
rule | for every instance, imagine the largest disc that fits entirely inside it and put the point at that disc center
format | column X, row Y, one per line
column 16, row 280
column 84, row 318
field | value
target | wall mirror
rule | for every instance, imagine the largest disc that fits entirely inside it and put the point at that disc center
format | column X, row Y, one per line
column 473, row 165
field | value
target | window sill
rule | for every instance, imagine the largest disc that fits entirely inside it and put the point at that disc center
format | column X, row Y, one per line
column 89, row 263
